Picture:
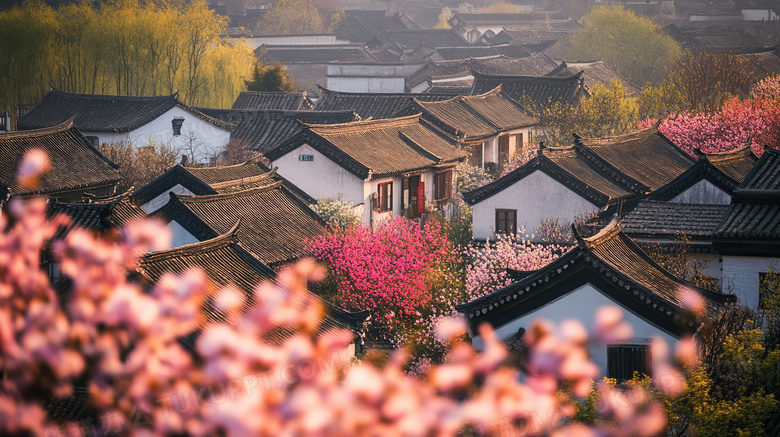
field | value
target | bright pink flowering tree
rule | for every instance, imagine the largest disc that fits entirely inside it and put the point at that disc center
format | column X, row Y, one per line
column 391, row 270
column 729, row 128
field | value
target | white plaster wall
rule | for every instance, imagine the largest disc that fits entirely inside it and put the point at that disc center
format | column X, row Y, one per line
column 321, row 178
column 711, row 264
column 356, row 84
column 180, row 235
column 290, row 40
column 740, row 276
column 162, row 200
column 703, row 193
column 581, row 304
column 207, row 138
column 535, row 197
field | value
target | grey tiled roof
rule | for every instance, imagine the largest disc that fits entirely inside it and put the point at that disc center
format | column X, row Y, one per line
column 647, row 156
column 76, row 166
column 275, row 224
column 535, row 65
column 221, row 180
column 667, row 219
column 103, row 113
column 378, row 147
column 272, row 100
column 263, row 130
column 541, row 90
column 574, row 170
column 412, row 38
column 98, row 214
column 595, row 72
column 371, row 105
column 225, row 262
column 476, row 117
column 754, row 214
column 315, row 54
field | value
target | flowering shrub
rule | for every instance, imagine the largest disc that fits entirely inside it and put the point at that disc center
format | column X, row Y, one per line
column 727, row 129
column 487, row 271
column 518, row 160
column 123, row 346
column 336, row 213
column 390, row 270
column 469, row 177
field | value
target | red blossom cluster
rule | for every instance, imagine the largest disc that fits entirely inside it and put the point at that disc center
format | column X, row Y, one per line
column 390, row 270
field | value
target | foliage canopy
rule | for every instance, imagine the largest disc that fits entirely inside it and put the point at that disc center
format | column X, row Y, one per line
column 634, row 46
column 122, row 47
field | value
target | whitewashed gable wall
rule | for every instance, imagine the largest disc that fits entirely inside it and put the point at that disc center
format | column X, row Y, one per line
column 703, row 193
column 162, row 200
column 582, row 304
column 210, row 139
column 535, row 197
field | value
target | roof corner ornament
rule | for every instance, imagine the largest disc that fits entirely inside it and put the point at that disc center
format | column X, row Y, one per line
column 699, row 154
column 577, row 237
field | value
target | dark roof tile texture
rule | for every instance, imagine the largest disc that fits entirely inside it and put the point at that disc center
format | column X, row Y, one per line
column 76, row 164
column 540, row 90
column 272, row 100
column 476, row 117
column 263, row 130
column 98, row 215
column 669, row 219
column 274, row 223
column 617, row 266
column 735, row 164
column 572, row 169
column 393, row 146
column 594, row 73
column 455, row 53
column 103, row 113
column 367, row 105
column 647, row 156
column 755, row 207
column 535, row 65
column 315, row 54
column 412, row 38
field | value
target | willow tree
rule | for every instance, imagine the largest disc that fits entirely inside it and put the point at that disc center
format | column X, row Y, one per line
column 124, row 47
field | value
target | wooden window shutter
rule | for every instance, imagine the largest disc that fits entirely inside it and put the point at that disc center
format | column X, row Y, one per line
column 448, row 177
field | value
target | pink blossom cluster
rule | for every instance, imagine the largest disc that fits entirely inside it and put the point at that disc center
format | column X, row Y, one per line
column 518, row 160
column 729, row 128
column 389, row 270
column 124, row 345
column 487, row 270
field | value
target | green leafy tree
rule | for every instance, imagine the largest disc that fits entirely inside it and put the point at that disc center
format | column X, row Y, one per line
column 270, row 78
column 607, row 112
column 634, row 46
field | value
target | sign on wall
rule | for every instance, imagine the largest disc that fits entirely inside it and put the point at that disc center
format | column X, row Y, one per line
column 305, row 157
